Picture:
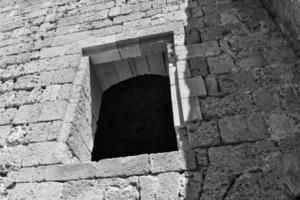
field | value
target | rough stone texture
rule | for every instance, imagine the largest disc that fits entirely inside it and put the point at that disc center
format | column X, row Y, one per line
column 287, row 16
column 234, row 78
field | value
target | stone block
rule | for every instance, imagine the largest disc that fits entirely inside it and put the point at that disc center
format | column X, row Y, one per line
column 106, row 55
column 241, row 81
column 4, row 132
column 203, row 134
column 236, row 129
column 35, row 154
column 211, row 33
column 85, row 189
column 238, row 103
column 283, row 125
column 128, row 193
column 243, row 157
column 192, row 36
column 43, row 132
column 172, row 161
column 51, row 111
column 204, row 49
column 7, row 115
column 221, row 64
column 164, row 186
column 263, row 185
column 291, row 172
column 53, row 52
column 125, row 166
column 129, row 49
column 198, row 66
column 168, row 186
column 141, row 65
column 212, row 85
column 63, row 76
column 152, row 45
column 123, row 69
column 201, row 157
column 147, row 187
column 191, row 109
column 266, row 99
column 192, row 87
column 45, row 191
column 182, row 138
column 54, row 173
column 183, row 69
column 157, row 64
column 35, row 80
column 27, row 114
column 76, row 144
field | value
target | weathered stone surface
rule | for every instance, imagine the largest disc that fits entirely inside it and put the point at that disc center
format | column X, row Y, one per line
column 232, row 104
column 240, row 81
column 203, row 134
column 7, row 115
column 210, row 48
column 243, row 128
column 4, row 132
column 36, row 191
column 192, row 87
column 198, row 66
column 283, row 125
column 191, row 109
column 242, row 158
column 54, row 173
column 127, row 166
column 163, row 186
column 212, row 85
column 35, row 154
column 263, row 186
column 267, row 99
column 291, row 171
column 221, row 64
column 173, row 161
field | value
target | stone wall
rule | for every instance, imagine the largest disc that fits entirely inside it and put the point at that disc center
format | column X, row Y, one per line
column 233, row 69
column 287, row 15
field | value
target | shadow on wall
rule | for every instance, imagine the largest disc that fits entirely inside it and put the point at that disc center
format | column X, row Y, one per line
column 190, row 77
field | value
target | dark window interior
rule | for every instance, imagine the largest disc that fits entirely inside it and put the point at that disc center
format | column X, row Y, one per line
column 135, row 118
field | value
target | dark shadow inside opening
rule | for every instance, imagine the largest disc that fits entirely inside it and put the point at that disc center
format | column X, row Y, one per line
column 135, row 118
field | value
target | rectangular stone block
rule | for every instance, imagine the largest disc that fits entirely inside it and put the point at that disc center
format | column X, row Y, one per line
column 204, row 49
column 27, row 114
column 156, row 64
column 191, row 109
column 7, row 115
column 172, row 161
column 221, row 64
column 4, row 132
column 203, row 134
column 183, row 69
column 35, row 154
column 142, row 66
column 129, row 48
column 76, row 143
column 243, row 128
column 54, row 173
column 45, row 191
column 43, row 132
column 125, row 166
column 51, row 111
column 123, row 69
column 192, row 87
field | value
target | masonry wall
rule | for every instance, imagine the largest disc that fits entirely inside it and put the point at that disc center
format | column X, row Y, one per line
column 237, row 78
column 287, row 15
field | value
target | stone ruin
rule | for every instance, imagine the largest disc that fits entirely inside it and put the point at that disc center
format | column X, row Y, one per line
column 149, row 99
